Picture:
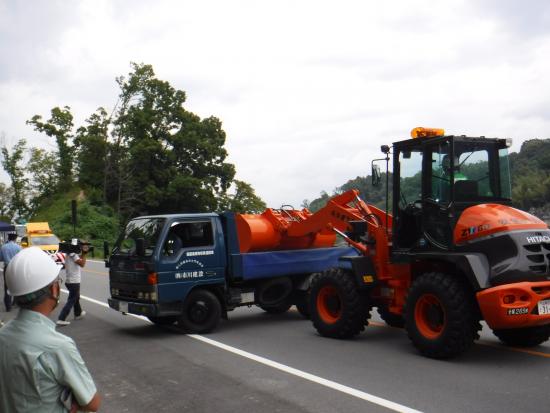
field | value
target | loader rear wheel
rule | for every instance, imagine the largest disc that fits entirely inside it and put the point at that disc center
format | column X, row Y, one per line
column 440, row 315
column 524, row 337
column 391, row 319
column 337, row 308
column 201, row 312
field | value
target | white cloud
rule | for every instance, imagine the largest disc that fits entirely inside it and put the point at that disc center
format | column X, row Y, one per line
column 307, row 91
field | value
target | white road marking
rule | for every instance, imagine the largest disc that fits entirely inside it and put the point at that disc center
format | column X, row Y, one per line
column 287, row 369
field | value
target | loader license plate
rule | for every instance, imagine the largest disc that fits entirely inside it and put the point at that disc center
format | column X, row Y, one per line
column 123, row 307
column 544, row 307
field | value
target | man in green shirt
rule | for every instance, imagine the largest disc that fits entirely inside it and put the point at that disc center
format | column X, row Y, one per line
column 41, row 370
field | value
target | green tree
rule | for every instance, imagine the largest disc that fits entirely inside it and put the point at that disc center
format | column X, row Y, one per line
column 5, row 199
column 59, row 126
column 44, row 180
column 11, row 161
column 173, row 159
column 92, row 148
column 244, row 200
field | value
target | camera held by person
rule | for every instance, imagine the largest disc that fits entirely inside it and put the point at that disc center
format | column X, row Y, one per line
column 76, row 246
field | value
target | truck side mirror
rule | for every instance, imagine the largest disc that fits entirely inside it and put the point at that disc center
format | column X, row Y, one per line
column 106, row 253
column 140, row 247
column 375, row 175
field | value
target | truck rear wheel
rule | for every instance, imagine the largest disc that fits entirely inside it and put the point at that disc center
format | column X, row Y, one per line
column 280, row 308
column 302, row 303
column 201, row 312
column 337, row 308
column 524, row 337
column 440, row 315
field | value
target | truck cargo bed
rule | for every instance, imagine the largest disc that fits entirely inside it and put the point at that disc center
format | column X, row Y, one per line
column 257, row 265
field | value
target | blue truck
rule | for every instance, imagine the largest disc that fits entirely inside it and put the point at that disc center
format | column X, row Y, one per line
column 189, row 270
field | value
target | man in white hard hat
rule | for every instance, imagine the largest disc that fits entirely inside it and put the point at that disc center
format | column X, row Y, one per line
column 41, row 370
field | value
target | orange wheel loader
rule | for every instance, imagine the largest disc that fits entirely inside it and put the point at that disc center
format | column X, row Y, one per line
column 453, row 251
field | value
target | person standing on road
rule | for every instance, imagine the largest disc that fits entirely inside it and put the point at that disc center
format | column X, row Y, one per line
column 7, row 252
column 73, row 264
column 41, row 370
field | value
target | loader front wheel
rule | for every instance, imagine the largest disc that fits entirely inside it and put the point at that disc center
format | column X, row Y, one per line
column 201, row 312
column 440, row 315
column 337, row 308
column 524, row 337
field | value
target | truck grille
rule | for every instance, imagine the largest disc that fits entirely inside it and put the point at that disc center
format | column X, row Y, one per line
column 539, row 257
column 138, row 293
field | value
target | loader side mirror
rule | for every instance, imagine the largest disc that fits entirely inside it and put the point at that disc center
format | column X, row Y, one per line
column 376, row 175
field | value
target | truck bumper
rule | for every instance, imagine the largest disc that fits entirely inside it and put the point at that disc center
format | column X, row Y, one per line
column 517, row 305
column 145, row 309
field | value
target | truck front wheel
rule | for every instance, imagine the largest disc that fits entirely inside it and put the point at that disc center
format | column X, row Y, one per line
column 440, row 315
column 524, row 337
column 201, row 312
column 337, row 308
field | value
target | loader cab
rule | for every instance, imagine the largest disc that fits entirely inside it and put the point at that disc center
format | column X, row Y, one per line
column 435, row 178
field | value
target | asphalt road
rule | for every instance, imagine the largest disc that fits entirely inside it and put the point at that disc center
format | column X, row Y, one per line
column 257, row 362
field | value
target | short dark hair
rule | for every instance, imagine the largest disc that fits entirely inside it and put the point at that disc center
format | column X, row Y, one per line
column 12, row 236
column 31, row 300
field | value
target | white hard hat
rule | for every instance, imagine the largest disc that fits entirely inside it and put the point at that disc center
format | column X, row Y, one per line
column 30, row 270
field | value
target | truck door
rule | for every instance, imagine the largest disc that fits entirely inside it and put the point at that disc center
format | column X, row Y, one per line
column 191, row 253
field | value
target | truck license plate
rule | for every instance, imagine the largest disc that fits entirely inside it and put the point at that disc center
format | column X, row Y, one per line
column 544, row 307
column 122, row 307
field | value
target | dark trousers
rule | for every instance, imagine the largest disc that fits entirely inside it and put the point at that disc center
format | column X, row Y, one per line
column 8, row 300
column 72, row 301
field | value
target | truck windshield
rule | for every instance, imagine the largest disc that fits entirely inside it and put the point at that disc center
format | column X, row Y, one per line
column 44, row 240
column 146, row 228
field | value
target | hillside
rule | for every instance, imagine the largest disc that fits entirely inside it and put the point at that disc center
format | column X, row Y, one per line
column 95, row 223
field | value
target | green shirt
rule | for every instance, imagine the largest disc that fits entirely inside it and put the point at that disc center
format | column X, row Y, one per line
column 37, row 363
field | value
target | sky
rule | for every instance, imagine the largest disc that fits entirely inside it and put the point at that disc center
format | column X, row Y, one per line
column 307, row 91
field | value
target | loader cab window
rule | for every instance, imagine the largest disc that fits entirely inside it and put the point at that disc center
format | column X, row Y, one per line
column 410, row 177
column 440, row 174
column 409, row 204
column 184, row 235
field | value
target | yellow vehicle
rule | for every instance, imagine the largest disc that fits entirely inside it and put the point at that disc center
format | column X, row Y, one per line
column 40, row 235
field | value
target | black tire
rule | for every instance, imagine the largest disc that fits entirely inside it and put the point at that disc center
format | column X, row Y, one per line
column 524, row 337
column 280, row 308
column 201, row 312
column 337, row 308
column 302, row 303
column 163, row 321
column 441, row 316
column 391, row 319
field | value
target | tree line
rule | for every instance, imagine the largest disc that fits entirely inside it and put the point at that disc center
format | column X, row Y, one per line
column 148, row 155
